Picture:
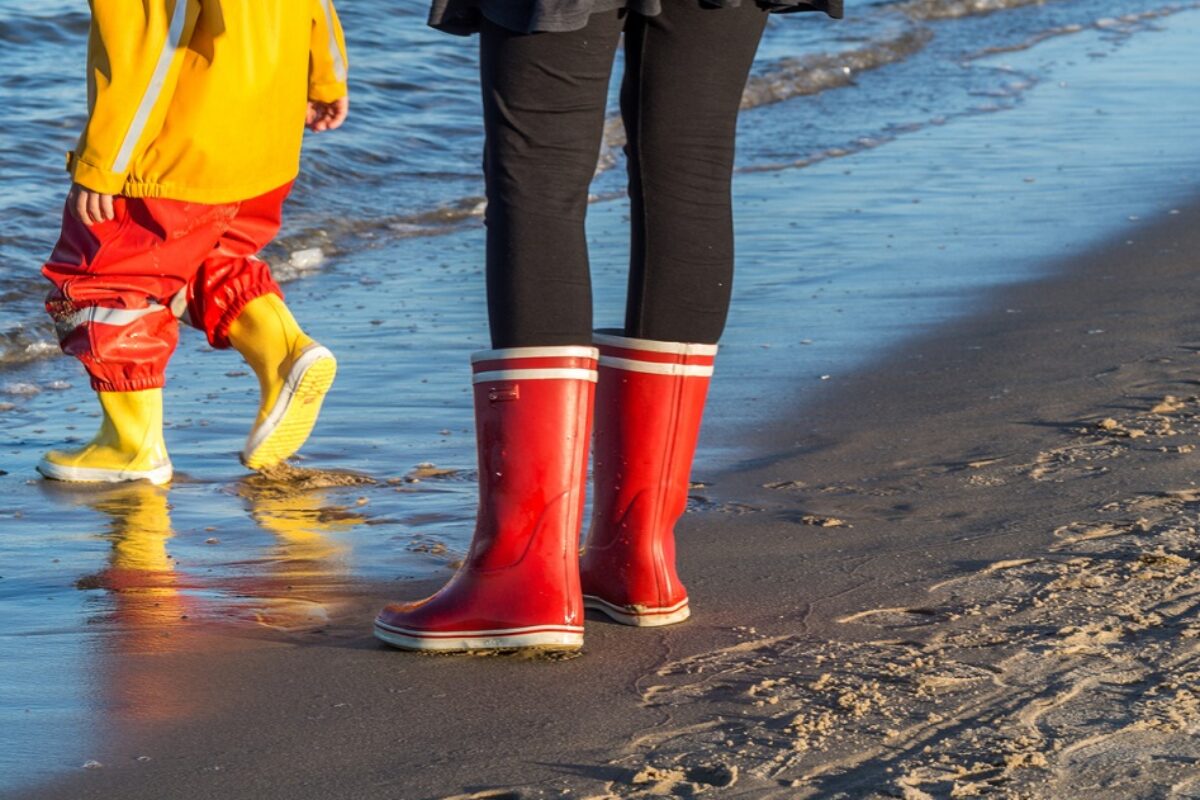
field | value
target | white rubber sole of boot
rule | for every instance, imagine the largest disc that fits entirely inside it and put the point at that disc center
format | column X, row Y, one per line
column 544, row 637
column 639, row 616
column 295, row 412
column 58, row 472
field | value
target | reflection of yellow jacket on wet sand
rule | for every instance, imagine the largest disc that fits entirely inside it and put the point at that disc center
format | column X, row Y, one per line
column 204, row 100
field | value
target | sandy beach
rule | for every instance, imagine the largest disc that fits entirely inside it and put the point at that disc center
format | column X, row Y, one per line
column 942, row 534
column 969, row 571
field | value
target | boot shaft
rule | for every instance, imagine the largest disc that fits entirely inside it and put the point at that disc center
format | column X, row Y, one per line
column 649, row 402
column 533, row 413
column 132, row 422
column 649, row 405
column 267, row 336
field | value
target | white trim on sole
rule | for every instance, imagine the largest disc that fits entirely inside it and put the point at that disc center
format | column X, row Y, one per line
column 654, row 346
column 657, row 368
column 60, row 472
column 564, row 351
column 557, row 636
column 565, row 373
column 258, row 435
column 646, row 617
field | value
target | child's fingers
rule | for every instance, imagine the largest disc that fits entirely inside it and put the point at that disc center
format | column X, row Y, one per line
column 326, row 116
column 340, row 109
column 90, row 207
column 73, row 204
column 93, row 207
column 81, row 208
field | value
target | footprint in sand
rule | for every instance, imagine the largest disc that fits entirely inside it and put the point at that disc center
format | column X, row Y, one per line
column 1076, row 532
column 684, row 781
column 1174, row 500
column 1080, row 460
column 895, row 617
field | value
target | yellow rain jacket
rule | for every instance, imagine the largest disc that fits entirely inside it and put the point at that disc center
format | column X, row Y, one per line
column 203, row 100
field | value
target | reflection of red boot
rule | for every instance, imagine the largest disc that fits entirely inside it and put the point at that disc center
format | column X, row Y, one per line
column 649, row 401
column 519, row 584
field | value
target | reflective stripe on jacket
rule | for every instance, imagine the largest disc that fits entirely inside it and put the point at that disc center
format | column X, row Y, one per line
column 203, row 100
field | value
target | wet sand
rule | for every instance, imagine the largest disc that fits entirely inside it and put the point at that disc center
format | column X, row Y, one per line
column 968, row 570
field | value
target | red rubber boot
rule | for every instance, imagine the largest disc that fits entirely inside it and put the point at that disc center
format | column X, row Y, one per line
column 649, row 401
column 519, row 584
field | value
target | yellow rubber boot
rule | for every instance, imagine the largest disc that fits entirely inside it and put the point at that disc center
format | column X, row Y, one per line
column 129, row 446
column 294, row 374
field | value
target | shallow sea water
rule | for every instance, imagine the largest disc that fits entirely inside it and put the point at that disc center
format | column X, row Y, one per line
column 871, row 206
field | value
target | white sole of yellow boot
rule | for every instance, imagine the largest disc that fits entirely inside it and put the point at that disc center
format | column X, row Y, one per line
column 639, row 616
column 544, row 637
column 58, row 472
column 291, row 419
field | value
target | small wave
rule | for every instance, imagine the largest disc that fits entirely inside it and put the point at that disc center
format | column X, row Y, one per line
column 797, row 77
column 1124, row 25
column 28, row 29
column 20, row 389
column 22, row 345
column 294, row 253
column 953, row 9
column 298, row 264
column 1036, row 39
column 1007, row 96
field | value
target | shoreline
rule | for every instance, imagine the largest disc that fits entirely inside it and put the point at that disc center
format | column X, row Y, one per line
column 972, row 471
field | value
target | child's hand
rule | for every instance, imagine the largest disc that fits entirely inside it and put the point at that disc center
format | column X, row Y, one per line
column 89, row 207
column 327, row 116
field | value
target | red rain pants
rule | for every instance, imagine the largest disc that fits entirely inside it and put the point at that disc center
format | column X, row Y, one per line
column 121, row 285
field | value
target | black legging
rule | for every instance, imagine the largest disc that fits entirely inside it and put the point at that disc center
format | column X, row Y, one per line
column 544, row 102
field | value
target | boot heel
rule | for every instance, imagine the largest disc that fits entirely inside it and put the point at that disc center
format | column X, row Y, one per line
column 639, row 616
